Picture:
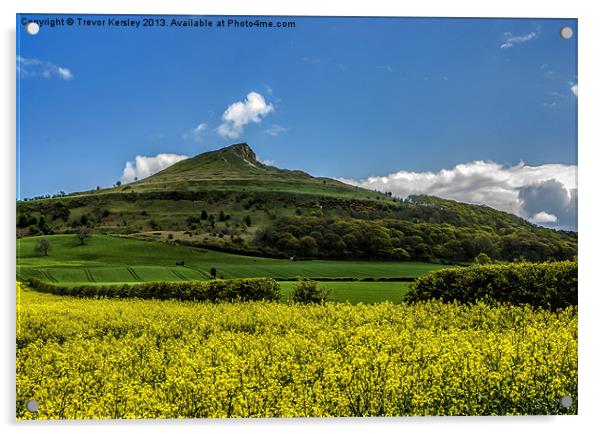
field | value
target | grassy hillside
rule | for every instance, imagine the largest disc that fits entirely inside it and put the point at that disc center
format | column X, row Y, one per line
column 226, row 199
column 236, row 167
column 107, row 259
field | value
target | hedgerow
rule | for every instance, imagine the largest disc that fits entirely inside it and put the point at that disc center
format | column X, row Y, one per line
column 194, row 290
column 551, row 285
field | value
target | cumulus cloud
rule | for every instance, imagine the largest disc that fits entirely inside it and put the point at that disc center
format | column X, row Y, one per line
column 544, row 217
column 509, row 39
column 195, row 133
column 144, row 166
column 275, row 130
column 574, row 89
column 27, row 68
column 524, row 190
column 253, row 109
column 550, row 198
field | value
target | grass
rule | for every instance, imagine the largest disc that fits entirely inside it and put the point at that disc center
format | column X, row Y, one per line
column 357, row 292
column 111, row 260
column 114, row 259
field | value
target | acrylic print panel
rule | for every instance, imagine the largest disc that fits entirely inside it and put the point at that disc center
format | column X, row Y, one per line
column 295, row 217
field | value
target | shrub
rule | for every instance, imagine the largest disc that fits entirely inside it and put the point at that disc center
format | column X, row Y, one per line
column 193, row 290
column 307, row 291
column 551, row 285
column 482, row 259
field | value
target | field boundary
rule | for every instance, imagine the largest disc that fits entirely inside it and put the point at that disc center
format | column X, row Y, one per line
column 192, row 290
column 551, row 285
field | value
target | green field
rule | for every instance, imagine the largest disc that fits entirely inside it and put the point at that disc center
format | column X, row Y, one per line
column 110, row 260
column 358, row 292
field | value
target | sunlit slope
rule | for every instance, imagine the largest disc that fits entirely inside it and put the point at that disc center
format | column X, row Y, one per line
column 236, row 168
column 106, row 259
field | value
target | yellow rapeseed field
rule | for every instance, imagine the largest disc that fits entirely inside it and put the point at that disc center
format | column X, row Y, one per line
column 86, row 358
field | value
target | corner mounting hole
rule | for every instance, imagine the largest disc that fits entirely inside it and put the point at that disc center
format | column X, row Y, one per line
column 566, row 401
column 32, row 406
column 32, row 28
column 566, row 32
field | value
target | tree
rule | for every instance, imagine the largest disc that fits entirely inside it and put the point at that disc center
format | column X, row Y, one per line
column 83, row 234
column 213, row 272
column 118, row 183
column 400, row 254
column 308, row 245
column 43, row 246
column 203, row 215
column 247, row 220
column 42, row 225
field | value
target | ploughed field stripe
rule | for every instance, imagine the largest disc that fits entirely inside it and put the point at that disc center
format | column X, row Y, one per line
column 46, row 275
column 89, row 275
column 179, row 275
column 134, row 274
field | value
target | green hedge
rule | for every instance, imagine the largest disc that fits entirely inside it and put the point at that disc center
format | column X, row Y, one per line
column 196, row 290
column 551, row 285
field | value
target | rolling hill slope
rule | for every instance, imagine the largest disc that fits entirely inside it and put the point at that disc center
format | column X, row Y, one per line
column 226, row 199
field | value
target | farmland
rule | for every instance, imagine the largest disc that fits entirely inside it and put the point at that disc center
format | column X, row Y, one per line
column 106, row 260
column 84, row 359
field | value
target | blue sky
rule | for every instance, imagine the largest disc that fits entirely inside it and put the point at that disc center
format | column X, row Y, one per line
column 348, row 98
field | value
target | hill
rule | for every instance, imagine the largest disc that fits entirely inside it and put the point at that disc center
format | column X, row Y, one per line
column 233, row 166
column 228, row 200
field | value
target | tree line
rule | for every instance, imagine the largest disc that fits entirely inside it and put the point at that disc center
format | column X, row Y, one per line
column 394, row 239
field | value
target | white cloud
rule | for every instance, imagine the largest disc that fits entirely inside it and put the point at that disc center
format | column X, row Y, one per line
column 509, row 40
column 144, row 166
column 388, row 68
column 195, row 133
column 64, row 73
column 311, row 59
column 238, row 114
column 275, row 130
column 521, row 189
column 266, row 162
column 27, row 68
column 574, row 89
column 544, row 217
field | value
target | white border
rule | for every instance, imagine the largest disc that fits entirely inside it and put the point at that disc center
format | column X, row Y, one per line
column 590, row 40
